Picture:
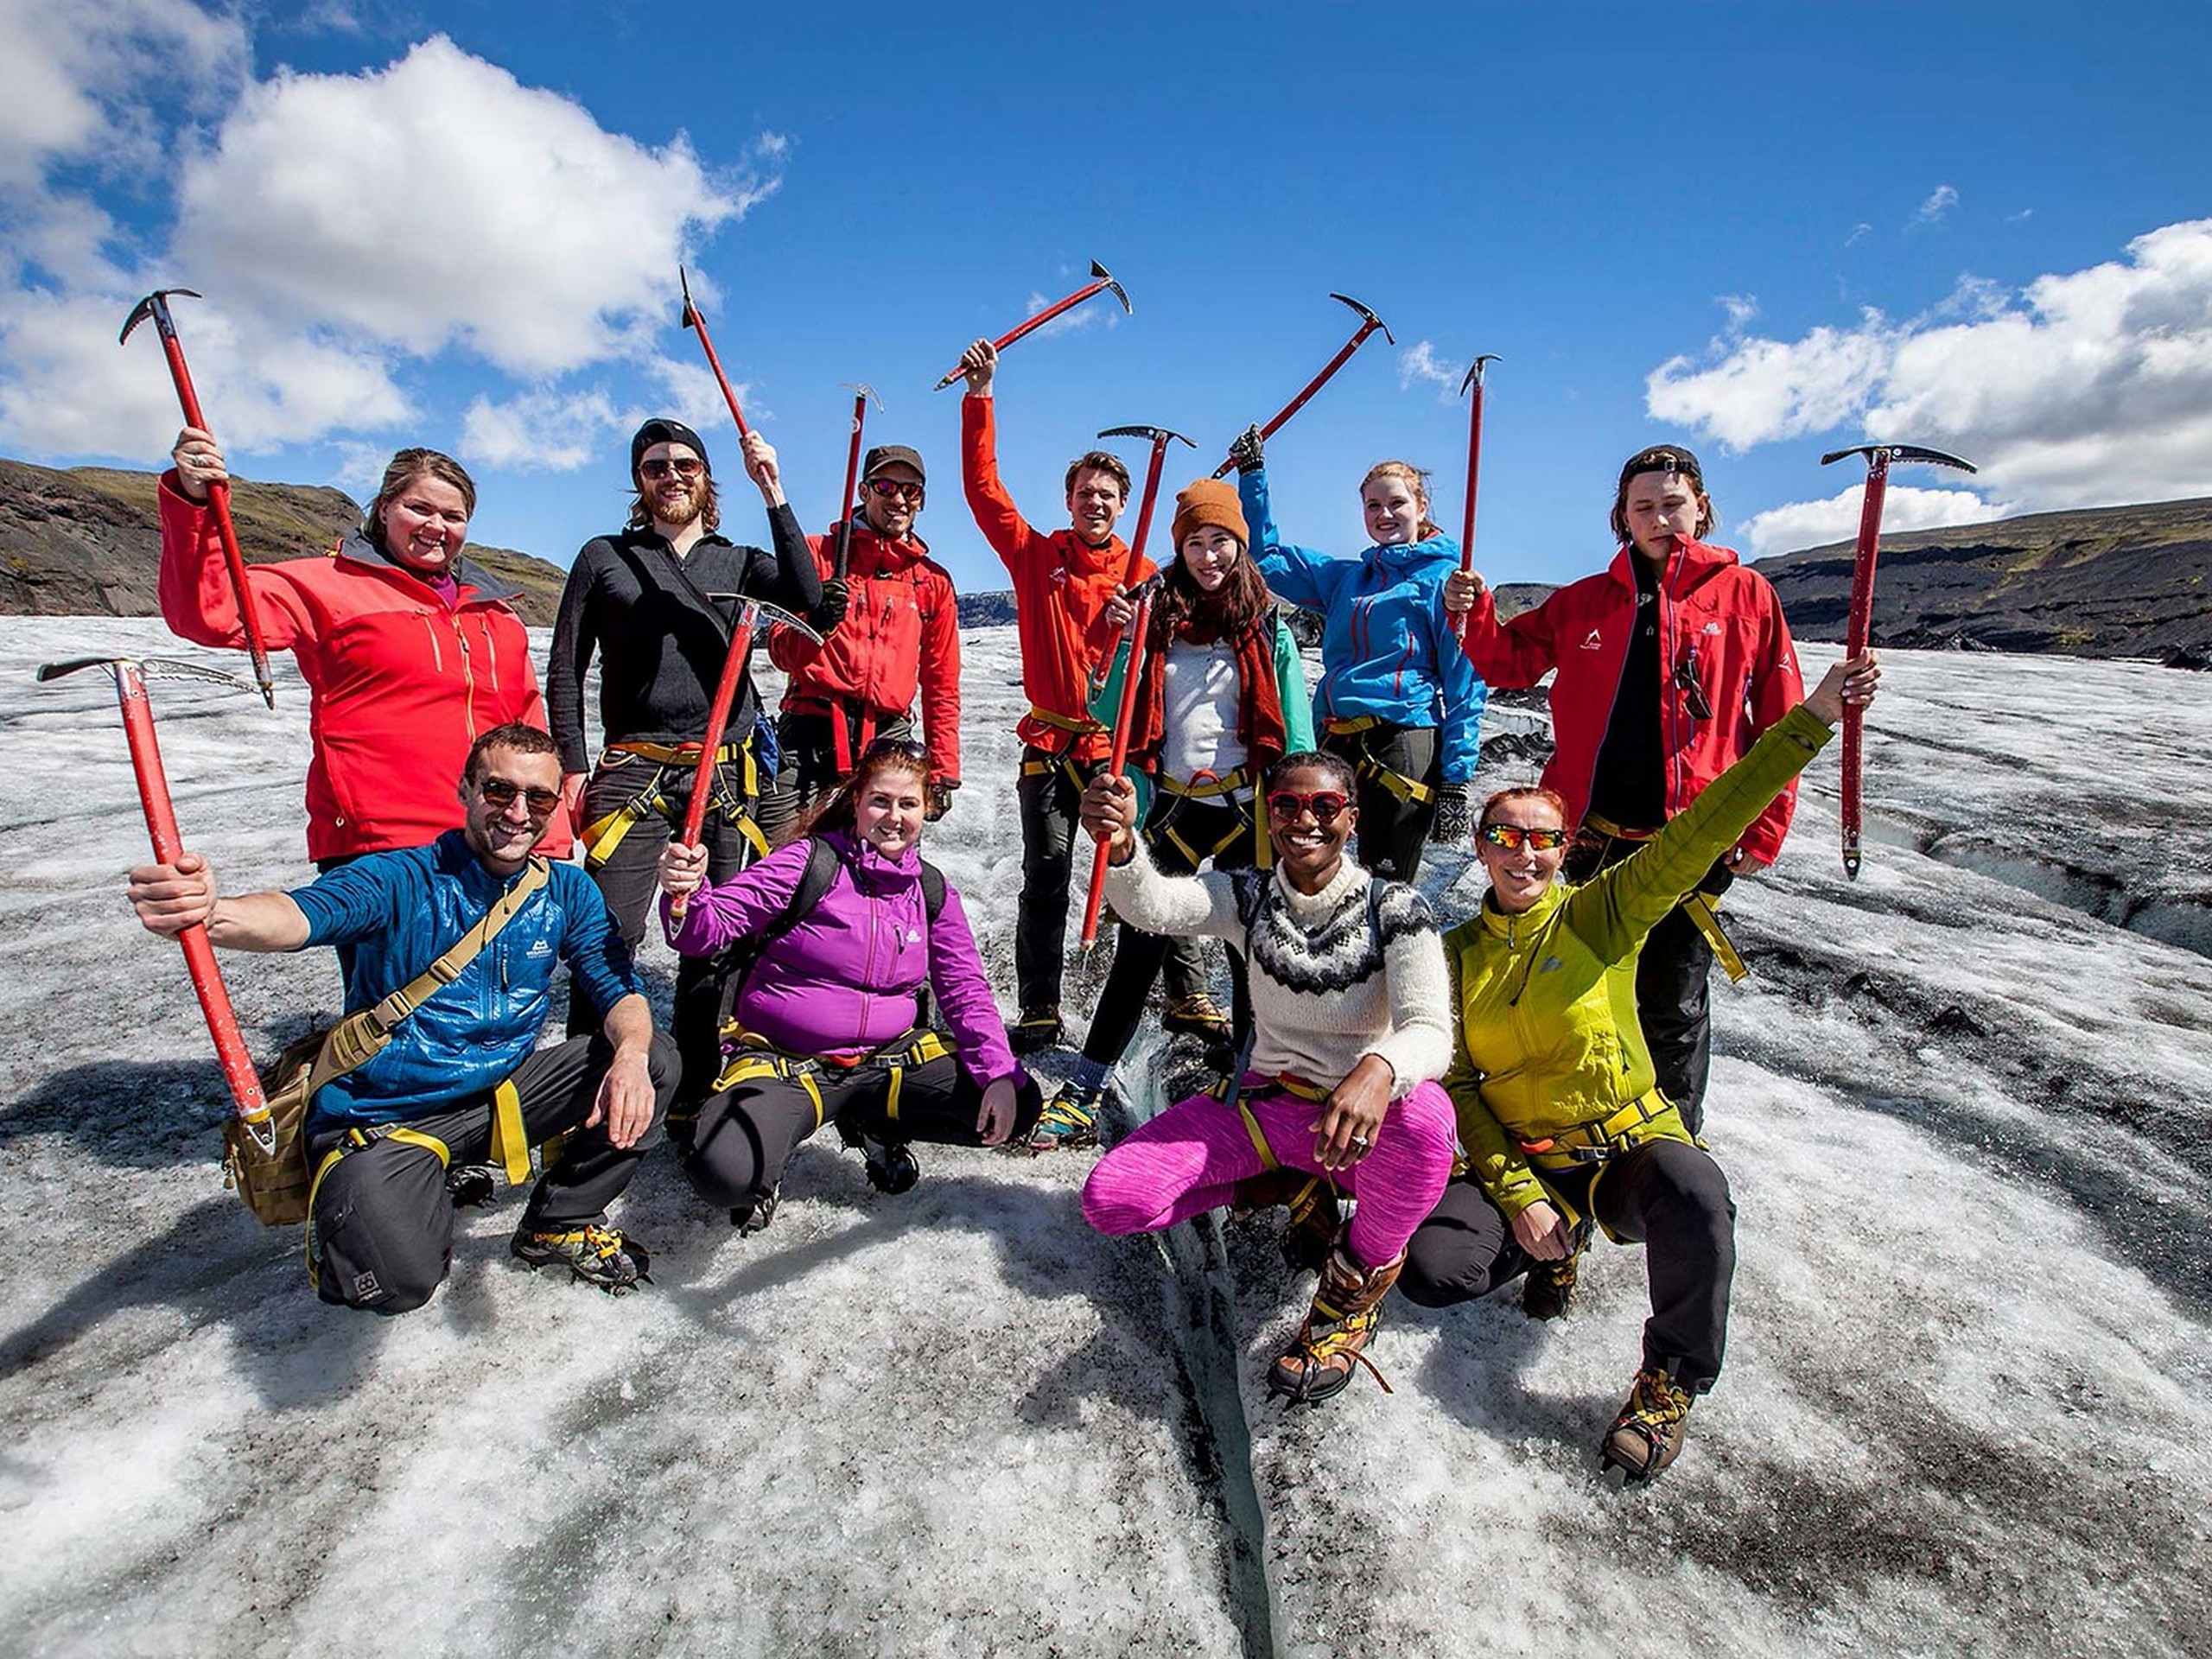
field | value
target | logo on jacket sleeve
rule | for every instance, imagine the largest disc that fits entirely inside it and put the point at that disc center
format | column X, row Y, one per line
column 1595, row 642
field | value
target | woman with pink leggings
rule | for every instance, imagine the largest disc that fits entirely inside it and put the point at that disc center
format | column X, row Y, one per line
column 1350, row 1031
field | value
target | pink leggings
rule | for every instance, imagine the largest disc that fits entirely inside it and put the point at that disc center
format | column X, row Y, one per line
column 1190, row 1158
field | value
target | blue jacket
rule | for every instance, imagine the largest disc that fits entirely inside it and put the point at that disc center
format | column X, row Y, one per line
column 1386, row 649
column 401, row 910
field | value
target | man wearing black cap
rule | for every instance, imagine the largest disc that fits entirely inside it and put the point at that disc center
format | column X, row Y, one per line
column 655, row 601
column 900, row 637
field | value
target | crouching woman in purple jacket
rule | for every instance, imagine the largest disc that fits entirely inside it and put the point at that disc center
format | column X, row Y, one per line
column 832, row 1017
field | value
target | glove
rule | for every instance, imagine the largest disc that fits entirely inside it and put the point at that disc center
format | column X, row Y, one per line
column 825, row 617
column 1455, row 822
column 1246, row 454
column 941, row 798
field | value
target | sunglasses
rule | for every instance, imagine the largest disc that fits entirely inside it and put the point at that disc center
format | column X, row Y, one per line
column 887, row 488
column 905, row 748
column 1510, row 836
column 684, row 468
column 1327, row 805
column 503, row 794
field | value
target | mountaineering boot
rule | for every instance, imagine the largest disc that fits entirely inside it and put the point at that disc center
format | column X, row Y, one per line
column 1070, row 1120
column 1548, row 1290
column 1346, row 1305
column 595, row 1253
column 1647, row 1434
column 1198, row 1015
column 470, row 1186
column 890, row 1165
column 1038, row 1028
column 1315, row 1219
column 751, row 1218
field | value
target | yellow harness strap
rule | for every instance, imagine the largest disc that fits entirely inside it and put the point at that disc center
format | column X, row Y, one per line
column 1409, row 790
column 1083, row 728
column 1702, row 911
column 683, row 754
column 1259, row 1140
column 355, row 1140
column 509, row 1142
column 603, row 834
column 1649, row 1117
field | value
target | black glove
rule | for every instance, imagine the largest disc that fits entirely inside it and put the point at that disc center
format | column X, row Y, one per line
column 1246, row 454
column 825, row 616
column 941, row 797
column 1455, row 822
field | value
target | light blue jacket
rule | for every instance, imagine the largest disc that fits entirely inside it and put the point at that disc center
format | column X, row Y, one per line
column 1386, row 649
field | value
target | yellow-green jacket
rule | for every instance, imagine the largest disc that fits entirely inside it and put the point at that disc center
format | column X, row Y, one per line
column 1548, row 1037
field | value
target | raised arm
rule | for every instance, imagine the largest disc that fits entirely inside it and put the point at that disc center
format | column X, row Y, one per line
column 170, row 898
column 1011, row 536
column 193, row 586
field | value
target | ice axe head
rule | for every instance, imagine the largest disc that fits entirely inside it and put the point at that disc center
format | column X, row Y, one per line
column 1373, row 321
column 1159, row 436
column 152, row 668
column 861, row 390
column 690, row 311
column 156, row 306
column 1894, row 453
column 1474, row 370
column 1107, row 277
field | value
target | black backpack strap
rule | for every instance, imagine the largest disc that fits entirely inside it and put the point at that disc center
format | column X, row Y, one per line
column 932, row 890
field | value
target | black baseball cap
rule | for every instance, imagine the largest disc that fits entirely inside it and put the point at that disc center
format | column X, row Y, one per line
column 890, row 454
column 661, row 429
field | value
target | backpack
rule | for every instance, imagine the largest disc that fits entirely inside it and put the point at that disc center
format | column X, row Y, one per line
column 814, row 881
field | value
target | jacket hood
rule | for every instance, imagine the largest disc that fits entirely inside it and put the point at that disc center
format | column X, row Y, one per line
column 1402, row 556
column 1693, row 562
column 869, row 861
column 360, row 550
column 897, row 557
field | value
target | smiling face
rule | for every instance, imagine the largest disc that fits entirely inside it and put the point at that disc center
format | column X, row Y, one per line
column 1309, row 851
column 890, row 512
column 1394, row 509
column 1660, row 506
column 888, row 805
column 1209, row 553
column 425, row 523
column 671, row 477
column 1094, row 504
column 1520, row 876
column 507, row 800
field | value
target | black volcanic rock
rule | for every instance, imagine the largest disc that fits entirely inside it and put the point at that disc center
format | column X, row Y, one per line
column 86, row 542
column 2103, row 582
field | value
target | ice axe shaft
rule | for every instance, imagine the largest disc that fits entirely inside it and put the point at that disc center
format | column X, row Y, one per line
column 693, row 320
column 246, row 1100
column 751, row 613
column 155, row 305
column 1103, row 280
column 1368, row 325
column 1858, row 634
column 1474, row 471
column 1160, row 438
column 1094, row 903
column 862, row 396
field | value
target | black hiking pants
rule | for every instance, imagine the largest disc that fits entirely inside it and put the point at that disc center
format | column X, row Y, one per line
column 630, row 881
column 808, row 769
column 1668, row 1195
column 1392, row 830
column 1049, row 790
column 1173, row 828
column 381, row 1237
column 743, row 1136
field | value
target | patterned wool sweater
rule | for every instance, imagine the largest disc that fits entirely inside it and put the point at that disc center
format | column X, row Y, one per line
column 1357, row 968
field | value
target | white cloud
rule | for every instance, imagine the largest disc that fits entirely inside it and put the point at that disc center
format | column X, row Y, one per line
column 541, row 430
column 1937, row 207
column 1859, row 233
column 2085, row 387
column 1739, row 309
column 1100, row 310
column 1812, row 524
column 1421, row 362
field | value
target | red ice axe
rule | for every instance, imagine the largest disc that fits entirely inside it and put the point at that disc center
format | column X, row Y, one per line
column 155, row 305
column 693, row 320
column 1094, row 902
column 1104, row 281
column 131, row 675
column 863, row 394
column 1370, row 322
column 1474, row 467
column 751, row 613
column 1857, row 637
column 1161, row 437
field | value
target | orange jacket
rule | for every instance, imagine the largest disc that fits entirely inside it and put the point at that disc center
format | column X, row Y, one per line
column 901, row 635
column 1061, row 583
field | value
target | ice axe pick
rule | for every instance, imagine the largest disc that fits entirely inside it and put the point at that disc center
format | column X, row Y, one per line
column 1103, row 280
column 1368, row 323
column 1161, row 437
column 156, row 306
column 1879, row 458
column 863, row 395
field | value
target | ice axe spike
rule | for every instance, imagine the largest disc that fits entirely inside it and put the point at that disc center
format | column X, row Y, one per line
column 697, row 324
column 1860, row 633
column 1159, row 437
column 1369, row 324
column 156, row 306
column 1101, row 282
column 247, row 1102
column 863, row 395
column 1474, row 468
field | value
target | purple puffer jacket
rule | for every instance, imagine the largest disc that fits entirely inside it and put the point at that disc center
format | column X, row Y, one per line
column 847, row 978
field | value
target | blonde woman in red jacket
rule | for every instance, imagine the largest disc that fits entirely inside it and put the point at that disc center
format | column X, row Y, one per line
column 411, row 652
column 1671, row 661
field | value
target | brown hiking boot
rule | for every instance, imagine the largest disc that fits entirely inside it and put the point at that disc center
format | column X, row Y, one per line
column 1549, row 1291
column 1039, row 1028
column 1647, row 1434
column 1197, row 1015
column 1346, row 1305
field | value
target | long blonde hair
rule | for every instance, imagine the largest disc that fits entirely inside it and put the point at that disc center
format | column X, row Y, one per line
column 1414, row 480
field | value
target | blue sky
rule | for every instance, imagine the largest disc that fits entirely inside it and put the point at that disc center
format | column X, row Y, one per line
column 1762, row 230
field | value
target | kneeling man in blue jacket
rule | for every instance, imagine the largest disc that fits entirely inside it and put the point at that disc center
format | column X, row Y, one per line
column 462, row 1080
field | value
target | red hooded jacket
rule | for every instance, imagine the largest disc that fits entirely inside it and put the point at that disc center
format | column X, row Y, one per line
column 400, row 684
column 1060, row 585
column 1718, row 621
column 901, row 635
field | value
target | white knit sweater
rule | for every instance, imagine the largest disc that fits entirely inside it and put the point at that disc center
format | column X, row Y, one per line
column 1335, row 975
